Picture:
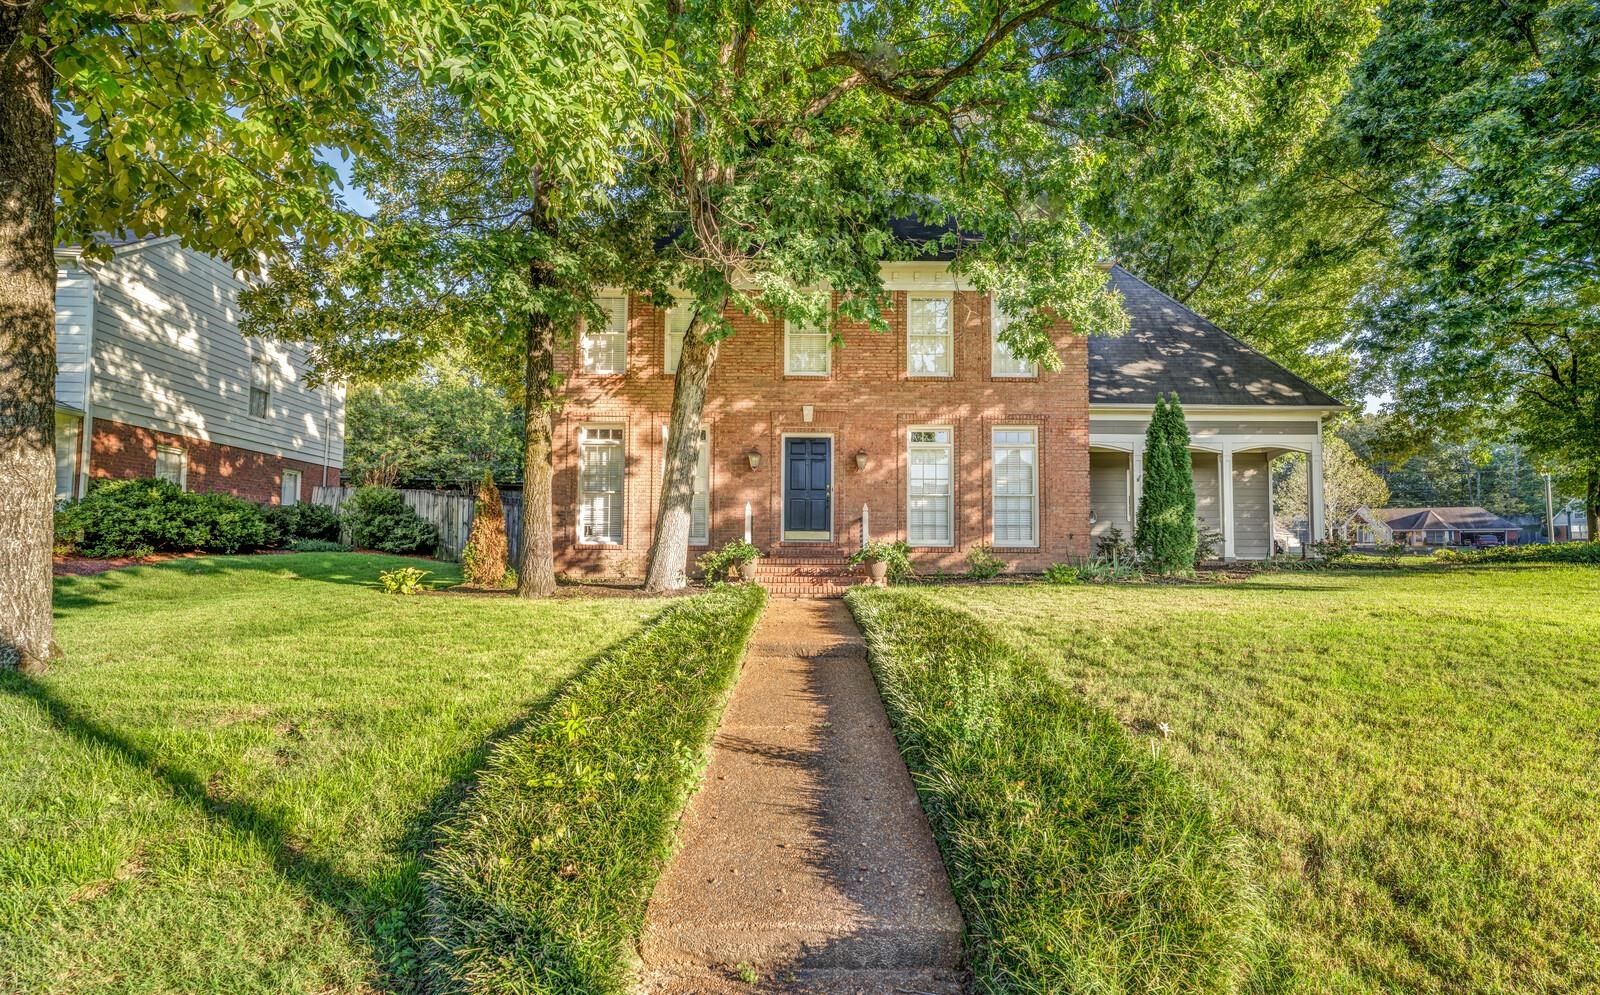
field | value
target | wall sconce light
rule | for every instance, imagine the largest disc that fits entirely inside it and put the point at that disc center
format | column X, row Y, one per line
column 754, row 456
column 861, row 459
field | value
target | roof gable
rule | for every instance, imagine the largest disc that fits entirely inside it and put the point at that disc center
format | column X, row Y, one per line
column 1168, row 348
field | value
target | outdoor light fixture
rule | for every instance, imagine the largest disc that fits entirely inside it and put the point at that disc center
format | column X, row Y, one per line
column 861, row 459
column 754, row 455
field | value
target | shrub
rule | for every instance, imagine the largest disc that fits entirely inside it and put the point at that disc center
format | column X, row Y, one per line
column 896, row 554
column 483, row 562
column 402, row 580
column 542, row 879
column 143, row 516
column 1061, row 573
column 1561, row 552
column 1334, row 548
column 1082, row 861
column 1207, row 543
column 982, row 563
column 318, row 546
column 719, row 564
column 1113, row 545
column 1165, row 533
column 379, row 518
column 294, row 522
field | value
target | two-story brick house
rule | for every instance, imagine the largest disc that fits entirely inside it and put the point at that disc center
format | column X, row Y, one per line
column 155, row 380
column 930, row 432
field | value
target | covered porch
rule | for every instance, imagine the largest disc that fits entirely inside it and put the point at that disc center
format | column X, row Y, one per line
column 1232, row 456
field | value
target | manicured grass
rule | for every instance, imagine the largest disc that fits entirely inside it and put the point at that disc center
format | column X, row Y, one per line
column 542, row 880
column 1081, row 861
column 228, row 784
column 1412, row 755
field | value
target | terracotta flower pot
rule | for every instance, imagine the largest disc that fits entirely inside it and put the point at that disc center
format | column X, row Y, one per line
column 879, row 571
column 747, row 570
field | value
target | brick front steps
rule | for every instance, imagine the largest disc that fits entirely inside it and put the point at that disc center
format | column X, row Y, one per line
column 801, row 573
column 805, row 861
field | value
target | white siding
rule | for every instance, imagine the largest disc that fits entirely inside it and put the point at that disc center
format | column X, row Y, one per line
column 168, row 356
column 1251, row 497
column 74, row 323
column 1207, row 490
column 1108, row 494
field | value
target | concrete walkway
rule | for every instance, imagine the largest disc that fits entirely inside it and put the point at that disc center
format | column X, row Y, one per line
column 805, row 856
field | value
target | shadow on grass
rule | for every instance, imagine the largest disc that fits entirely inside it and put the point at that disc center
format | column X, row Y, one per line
column 388, row 909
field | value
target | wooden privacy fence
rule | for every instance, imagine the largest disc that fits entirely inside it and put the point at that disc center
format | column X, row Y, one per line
column 448, row 511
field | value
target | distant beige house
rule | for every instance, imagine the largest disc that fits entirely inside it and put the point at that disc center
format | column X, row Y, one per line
column 154, row 379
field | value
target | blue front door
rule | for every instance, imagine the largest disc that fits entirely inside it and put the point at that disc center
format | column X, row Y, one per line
column 808, row 488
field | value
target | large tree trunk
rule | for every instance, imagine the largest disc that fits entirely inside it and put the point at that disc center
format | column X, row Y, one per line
column 1591, row 503
column 27, row 341
column 536, row 566
column 667, row 567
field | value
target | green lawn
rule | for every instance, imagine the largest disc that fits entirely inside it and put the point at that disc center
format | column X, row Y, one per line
column 228, row 783
column 1413, row 756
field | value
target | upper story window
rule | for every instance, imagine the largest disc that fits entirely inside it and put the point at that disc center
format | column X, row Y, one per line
column 260, row 387
column 1003, row 362
column 677, row 326
column 807, row 350
column 930, row 335
column 604, row 346
column 172, row 464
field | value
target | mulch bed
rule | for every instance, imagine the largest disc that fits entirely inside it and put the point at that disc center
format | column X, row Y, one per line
column 88, row 566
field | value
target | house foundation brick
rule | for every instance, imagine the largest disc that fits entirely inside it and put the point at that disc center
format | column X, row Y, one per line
column 866, row 404
column 122, row 451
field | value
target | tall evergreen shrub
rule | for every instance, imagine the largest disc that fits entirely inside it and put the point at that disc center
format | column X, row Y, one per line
column 1165, row 533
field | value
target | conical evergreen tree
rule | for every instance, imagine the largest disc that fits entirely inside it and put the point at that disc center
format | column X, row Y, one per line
column 1165, row 533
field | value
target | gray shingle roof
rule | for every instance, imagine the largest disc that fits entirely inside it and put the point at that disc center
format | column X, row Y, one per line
column 1465, row 518
column 1169, row 348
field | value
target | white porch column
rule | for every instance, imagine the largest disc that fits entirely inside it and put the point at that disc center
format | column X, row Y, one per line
column 1314, row 488
column 1225, row 491
column 1135, row 486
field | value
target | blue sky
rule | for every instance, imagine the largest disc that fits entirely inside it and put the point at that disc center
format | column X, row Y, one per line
column 353, row 195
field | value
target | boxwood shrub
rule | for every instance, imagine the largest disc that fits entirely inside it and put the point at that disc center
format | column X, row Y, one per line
column 379, row 518
column 142, row 516
column 296, row 522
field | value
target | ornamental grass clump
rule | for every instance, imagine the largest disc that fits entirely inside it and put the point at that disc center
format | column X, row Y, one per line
column 484, row 560
column 1164, row 534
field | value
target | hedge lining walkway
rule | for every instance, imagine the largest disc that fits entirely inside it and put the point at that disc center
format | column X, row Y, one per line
column 805, row 857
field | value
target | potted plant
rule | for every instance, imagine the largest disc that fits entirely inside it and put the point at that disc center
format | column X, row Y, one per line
column 883, row 560
column 719, row 564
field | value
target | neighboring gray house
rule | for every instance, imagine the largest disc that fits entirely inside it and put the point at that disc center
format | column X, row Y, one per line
column 154, row 380
column 1456, row 526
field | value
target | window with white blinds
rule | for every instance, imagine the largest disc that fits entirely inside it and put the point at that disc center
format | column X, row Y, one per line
column 1003, row 362
column 1016, row 487
column 172, row 464
column 930, row 336
column 930, row 488
column 604, row 345
column 677, row 325
column 600, row 472
column 289, row 488
column 700, row 501
column 807, row 350
column 260, row 388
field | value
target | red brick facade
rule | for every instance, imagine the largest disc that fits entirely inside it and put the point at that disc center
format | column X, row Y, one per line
column 121, row 451
column 867, row 404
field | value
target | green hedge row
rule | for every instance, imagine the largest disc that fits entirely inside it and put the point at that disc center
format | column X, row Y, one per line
column 1082, row 862
column 1562, row 552
column 540, row 883
column 143, row 516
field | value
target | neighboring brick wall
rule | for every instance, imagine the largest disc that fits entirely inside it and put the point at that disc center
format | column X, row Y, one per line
column 867, row 403
column 121, row 451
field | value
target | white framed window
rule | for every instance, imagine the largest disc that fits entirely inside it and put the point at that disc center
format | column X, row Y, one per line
column 807, row 350
column 289, row 488
column 930, row 335
column 604, row 345
column 600, row 481
column 930, row 487
column 1002, row 361
column 172, row 464
column 1016, row 486
column 260, row 387
column 700, row 500
column 677, row 325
